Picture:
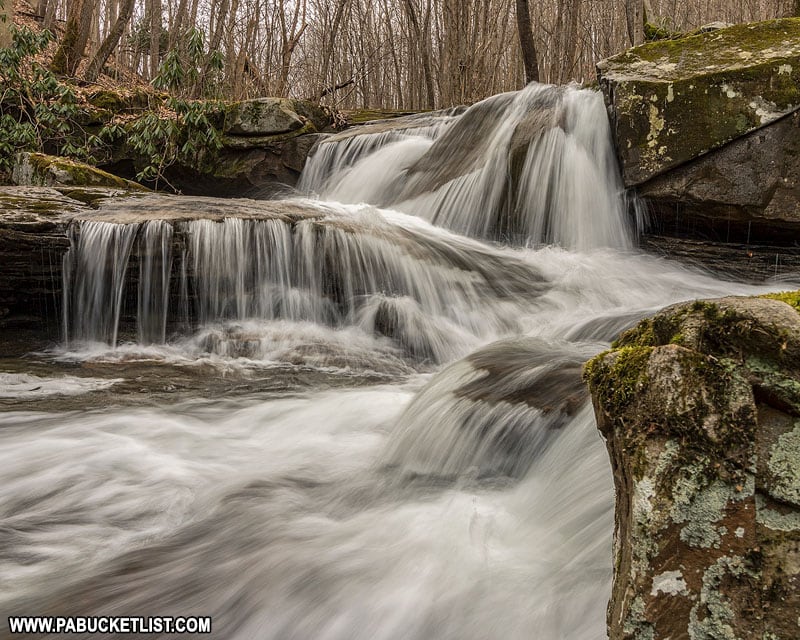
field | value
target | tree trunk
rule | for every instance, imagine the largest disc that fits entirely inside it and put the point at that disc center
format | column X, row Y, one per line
column 6, row 20
column 76, row 33
column 177, row 27
column 111, row 40
column 41, row 8
column 526, row 43
column 634, row 16
column 155, row 37
column 327, row 53
column 424, row 51
column 50, row 13
column 795, row 9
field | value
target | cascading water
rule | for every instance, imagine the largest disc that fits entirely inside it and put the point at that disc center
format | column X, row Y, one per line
column 435, row 295
column 532, row 167
column 372, row 427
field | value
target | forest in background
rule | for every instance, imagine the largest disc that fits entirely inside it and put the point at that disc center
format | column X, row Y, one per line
column 394, row 54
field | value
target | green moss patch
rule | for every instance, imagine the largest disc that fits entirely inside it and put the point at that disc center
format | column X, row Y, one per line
column 792, row 298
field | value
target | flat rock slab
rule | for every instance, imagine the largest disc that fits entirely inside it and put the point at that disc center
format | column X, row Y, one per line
column 674, row 100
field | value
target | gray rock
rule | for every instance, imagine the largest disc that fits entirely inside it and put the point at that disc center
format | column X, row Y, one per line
column 674, row 100
column 700, row 408
column 262, row 117
column 745, row 191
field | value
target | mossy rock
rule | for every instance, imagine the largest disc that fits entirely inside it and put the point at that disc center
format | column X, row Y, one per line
column 262, row 117
column 700, row 409
column 320, row 117
column 39, row 169
column 674, row 100
column 124, row 101
column 792, row 298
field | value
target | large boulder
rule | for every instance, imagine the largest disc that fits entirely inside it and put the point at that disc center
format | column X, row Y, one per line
column 746, row 191
column 674, row 100
column 272, row 116
column 700, row 408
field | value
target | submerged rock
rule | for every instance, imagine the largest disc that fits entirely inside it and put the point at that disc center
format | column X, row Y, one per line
column 700, row 408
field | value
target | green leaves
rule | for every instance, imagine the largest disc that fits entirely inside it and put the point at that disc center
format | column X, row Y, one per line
column 182, row 138
column 35, row 107
column 37, row 110
column 170, row 74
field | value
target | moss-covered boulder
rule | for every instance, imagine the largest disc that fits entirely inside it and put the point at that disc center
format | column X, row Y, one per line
column 700, row 408
column 272, row 116
column 673, row 100
column 42, row 170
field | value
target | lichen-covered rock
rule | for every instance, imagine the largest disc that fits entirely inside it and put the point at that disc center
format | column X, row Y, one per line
column 263, row 117
column 674, row 100
column 745, row 191
column 700, row 408
column 42, row 170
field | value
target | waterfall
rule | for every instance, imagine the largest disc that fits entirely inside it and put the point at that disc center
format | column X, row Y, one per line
column 98, row 261
column 350, row 420
column 430, row 292
column 531, row 167
column 155, row 268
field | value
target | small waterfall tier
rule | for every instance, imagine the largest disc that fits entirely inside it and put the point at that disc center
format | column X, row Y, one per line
column 495, row 411
column 158, row 266
column 530, row 167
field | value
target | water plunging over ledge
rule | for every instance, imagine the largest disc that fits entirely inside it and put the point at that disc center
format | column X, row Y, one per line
column 351, row 416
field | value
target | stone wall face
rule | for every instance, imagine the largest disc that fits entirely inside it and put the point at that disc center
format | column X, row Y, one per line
column 700, row 408
column 703, row 128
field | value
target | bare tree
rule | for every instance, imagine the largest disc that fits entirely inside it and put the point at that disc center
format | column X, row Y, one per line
column 526, row 43
column 111, row 40
column 155, row 36
column 404, row 54
column 76, row 34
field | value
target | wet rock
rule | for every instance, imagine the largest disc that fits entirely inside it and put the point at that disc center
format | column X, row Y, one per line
column 674, row 100
column 33, row 239
column 727, row 260
column 700, row 408
column 42, row 170
column 746, row 191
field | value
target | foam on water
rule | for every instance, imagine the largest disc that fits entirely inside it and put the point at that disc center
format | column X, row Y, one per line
column 27, row 386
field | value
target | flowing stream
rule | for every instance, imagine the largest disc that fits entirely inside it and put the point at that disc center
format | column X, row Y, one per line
column 352, row 414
